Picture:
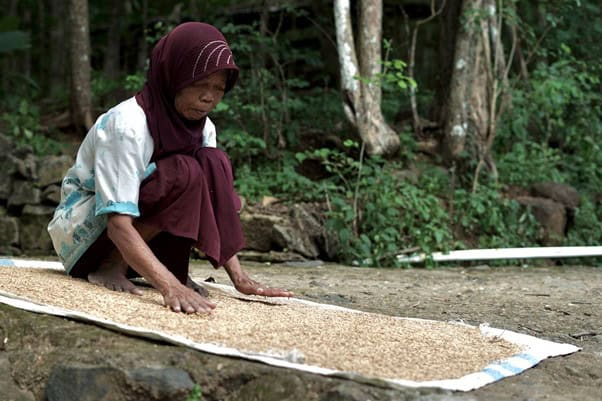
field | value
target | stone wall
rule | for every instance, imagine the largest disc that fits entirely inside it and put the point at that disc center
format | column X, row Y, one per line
column 29, row 193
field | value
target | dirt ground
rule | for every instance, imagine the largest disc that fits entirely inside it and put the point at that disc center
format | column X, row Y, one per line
column 559, row 303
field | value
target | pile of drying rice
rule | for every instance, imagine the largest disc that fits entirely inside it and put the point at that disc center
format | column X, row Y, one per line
column 370, row 344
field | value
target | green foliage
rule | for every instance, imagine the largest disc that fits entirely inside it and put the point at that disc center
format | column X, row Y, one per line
column 554, row 128
column 23, row 126
column 374, row 213
column 270, row 103
column 134, row 82
column 492, row 220
column 278, row 179
column 587, row 226
column 530, row 162
column 102, row 88
column 195, row 394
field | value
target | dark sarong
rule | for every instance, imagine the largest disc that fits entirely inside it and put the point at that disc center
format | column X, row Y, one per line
column 192, row 201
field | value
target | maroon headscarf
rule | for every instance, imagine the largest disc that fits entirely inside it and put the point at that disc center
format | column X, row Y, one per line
column 191, row 51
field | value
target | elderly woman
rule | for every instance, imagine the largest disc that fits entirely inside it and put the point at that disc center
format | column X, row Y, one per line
column 149, row 183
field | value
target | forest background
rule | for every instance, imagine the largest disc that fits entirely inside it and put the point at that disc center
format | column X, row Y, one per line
column 476, row 100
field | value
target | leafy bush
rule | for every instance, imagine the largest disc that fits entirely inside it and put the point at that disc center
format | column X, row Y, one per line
column 494, row 221
column 375, row 214
column 23, row 126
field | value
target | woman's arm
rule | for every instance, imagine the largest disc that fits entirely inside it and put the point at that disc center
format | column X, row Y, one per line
column 138, row 255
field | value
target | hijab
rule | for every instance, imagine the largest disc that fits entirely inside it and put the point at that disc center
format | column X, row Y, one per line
column 190, row 52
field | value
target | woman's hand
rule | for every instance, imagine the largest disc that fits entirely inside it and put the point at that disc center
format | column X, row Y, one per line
column 132, row 245
column 248, row 286
column 180, row 298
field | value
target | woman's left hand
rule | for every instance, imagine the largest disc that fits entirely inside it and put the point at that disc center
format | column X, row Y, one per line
column 247, row 285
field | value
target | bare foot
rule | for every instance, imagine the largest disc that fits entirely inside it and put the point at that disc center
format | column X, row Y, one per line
column 112, row 276
column 197, row 287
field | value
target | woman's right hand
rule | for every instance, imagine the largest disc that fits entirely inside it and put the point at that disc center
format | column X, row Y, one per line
column 180, row 298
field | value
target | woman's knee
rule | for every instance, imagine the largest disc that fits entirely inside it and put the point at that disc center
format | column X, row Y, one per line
column 184, row 171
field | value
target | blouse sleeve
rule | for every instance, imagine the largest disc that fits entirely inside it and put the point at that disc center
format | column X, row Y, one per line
column 209, row 136
column 119, row 166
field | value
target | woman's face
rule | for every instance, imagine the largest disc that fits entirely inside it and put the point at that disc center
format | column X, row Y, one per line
column 196, row 100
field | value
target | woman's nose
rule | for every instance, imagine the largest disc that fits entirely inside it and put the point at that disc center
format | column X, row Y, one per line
column 207, row 96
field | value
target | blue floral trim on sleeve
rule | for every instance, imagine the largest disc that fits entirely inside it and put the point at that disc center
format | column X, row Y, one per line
column 150, row 169
column 119, row 207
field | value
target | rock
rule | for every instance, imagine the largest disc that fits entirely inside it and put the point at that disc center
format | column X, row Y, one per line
column 52, row 195
column 550, row 214
column 24, row 193
column 345, row 392
column 270, row 257
column 6, row 179
column 257, row 229
column 269, row 200
column 295, row 240
column 85, row 383
column 276, row 387
column 33, row 233
column 5, row 145
column 54, row 169
column 9, row 231
column 559, row 192
column 302, row 234
column 163, row 383
column 26, row 166
column 10, row 389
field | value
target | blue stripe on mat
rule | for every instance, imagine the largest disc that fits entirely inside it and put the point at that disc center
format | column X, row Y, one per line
column 7, row 262
column 529, row 358
column 511, row 369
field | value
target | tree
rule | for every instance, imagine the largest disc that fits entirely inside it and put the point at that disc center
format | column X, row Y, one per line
column 81, row 92
column 478, row 92
column 362, row 97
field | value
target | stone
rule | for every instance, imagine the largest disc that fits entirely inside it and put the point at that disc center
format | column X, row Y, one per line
column 345, row 392
column 270, row 257
column 294, row 240
column 559, row 192
column 6, row 178
column 272, row 387
column 85, row 383
column 551, row 216
column 26, row 166
column 257, row 229
column 33, row 233
column 54, row 169
column 9, row 230
column 163, row 383
column 5, row 145
column 24, row 193
column 52, row 195
column 10, row 390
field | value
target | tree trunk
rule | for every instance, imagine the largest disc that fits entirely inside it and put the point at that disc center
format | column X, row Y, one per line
column 479, row 86
column 457, row 124
column 81, row 93
column 449, row 26
column 362, row 98
column 142, row 43
column 57, row 71
column 112, row 56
